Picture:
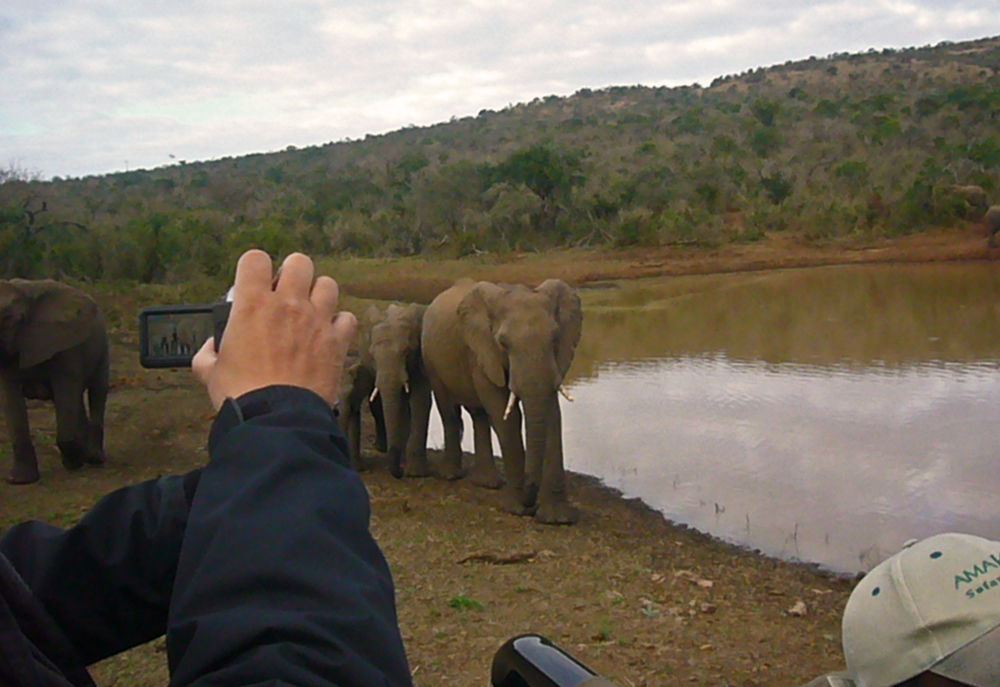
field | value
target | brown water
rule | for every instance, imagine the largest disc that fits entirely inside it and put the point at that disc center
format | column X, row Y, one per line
column 825, row 415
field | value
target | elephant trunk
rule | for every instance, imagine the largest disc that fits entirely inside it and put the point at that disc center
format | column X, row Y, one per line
column 537, row 415
column 395, row 409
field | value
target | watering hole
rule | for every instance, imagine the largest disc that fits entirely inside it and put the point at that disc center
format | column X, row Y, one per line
column 824, row 415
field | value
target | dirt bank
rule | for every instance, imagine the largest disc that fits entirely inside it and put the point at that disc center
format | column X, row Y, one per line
column 420, row 280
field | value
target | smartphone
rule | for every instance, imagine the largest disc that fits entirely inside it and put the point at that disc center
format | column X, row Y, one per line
column 170, row 335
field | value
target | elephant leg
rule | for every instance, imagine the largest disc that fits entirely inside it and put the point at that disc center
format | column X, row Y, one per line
column 351, row 424
column 451, row 421
column 381, row 442
column 67, row 394
column 97, row 397
column 553, row 504
column 95, row 445
column 398, row 417
column 484, row 471
column 512, row 450
column 416, row 444
column 25, row 467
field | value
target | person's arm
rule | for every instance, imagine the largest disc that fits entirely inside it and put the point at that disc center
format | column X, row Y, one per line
column 279, row 578
column 107, row 581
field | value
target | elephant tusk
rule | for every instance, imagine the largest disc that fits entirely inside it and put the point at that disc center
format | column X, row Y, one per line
column 406, row 387
column 510, row 405
column 565, row 393
column 371, row 399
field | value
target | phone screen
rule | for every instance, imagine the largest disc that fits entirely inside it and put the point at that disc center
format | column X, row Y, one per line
column 169, row 336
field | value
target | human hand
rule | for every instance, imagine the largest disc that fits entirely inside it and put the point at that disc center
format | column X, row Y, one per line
column 283, row 330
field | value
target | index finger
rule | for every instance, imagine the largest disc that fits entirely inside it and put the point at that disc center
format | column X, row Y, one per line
column 253, row 273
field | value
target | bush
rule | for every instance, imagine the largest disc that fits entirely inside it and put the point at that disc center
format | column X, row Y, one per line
column 763, row 218
column 834, row 219
column 691, row 226
column 634, row 228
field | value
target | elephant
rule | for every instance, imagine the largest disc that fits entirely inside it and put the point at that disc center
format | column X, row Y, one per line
column 402, row 385
column 356, row 386
column 53, row 347
column 494, row 348
column 391, row 367
column 992, row 222
column 970, row 200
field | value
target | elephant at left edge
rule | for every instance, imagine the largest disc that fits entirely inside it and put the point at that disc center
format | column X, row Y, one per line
column 53, row 347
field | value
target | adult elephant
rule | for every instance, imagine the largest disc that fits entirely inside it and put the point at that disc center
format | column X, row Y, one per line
column 53, row 347
column 494, row 349
column 992, row 222
column 402, row 386
column 389, row 375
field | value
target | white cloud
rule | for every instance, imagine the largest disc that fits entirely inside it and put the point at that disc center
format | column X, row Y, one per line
column 86, row 85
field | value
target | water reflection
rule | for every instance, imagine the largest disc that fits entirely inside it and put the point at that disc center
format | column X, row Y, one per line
column 882, row 315
column 823, row 414
column 836, row 466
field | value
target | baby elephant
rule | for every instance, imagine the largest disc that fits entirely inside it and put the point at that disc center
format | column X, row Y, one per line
column 53, row 347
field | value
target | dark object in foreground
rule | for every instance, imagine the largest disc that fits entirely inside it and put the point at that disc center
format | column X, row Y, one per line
column 533, row 661
column 170, row 335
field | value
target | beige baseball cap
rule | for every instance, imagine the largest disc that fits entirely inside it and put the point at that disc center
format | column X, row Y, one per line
column 934, row 606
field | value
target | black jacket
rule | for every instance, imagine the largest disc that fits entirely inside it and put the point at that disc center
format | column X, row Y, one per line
column 259, row 568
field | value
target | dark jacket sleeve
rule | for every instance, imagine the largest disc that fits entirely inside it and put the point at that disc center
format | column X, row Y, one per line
column 279, row 579
column 107, row 581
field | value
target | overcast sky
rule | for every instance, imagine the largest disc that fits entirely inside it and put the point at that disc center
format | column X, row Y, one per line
column 97, row 86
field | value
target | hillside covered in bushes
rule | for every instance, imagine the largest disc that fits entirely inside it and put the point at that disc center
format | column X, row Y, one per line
column 844, row 145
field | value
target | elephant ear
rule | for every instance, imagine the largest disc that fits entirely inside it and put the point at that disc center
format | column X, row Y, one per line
column 569, row 316
column 59, row 317
column 413, row 317
column 369, row 319
column 476, row 313
column 349, row 377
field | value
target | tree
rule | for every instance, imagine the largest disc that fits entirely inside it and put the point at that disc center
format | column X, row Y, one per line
column 765, row 110
column 442, row 198
column 547, row 172
column 777, row 187
column 22, row 207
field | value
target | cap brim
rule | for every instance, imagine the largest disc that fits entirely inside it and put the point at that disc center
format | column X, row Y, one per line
column 832, row 680
column 977, row 663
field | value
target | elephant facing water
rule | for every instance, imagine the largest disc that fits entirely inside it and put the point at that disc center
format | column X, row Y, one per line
column 53, row 347
column 500, row 351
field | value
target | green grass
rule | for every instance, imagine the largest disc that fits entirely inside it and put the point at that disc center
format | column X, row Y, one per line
column 464, row 603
